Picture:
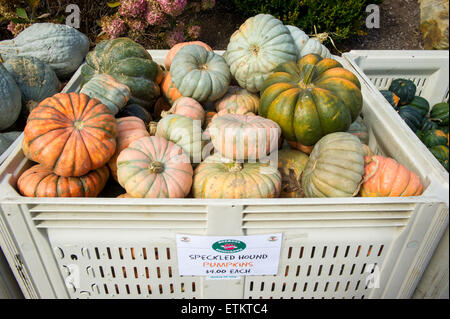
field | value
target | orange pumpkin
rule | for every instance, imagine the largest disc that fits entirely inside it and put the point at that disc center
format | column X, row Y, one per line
column 39, row 181
column 237, row 100
column 385, row 177
column 129, row 129
column 174, row 50
column 188, row 107
column 168, row 88
column 71, row 134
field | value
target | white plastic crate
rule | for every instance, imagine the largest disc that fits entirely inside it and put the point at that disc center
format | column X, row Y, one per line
column 125, row 248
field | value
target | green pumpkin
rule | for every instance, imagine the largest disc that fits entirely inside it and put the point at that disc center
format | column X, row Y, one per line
column 391, row 98
column 200, row 74
column 360, row 130
column 62, row 47
column 404, row 89
column 260, row 44
column 412, row 116
column 427, row 125
column 6, row 139
column 129, row 63
column 439, row 113
column 36, row 79
column 421, row 104
column 443, row 128
column 433, row 137
column 441, row 154
column 10, row 97
column 311, row 98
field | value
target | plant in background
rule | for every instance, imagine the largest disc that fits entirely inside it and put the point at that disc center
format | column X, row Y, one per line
column 341, row 18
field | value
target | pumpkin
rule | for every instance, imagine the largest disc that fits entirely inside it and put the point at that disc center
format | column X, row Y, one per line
column 439, row 113
column 62, row 47
column 129, row 63
column 412, row 117
column 217, row 177
column 188, row 107
column 71, row 134
column 174, row 50
column 260, row 44
column 244, row 137
column 391, row 97
column 360, row 130
column 129, row 129
column 169, row 90
column 184, row 132
column 110, row 92
column 152, row 167
column 335, row 167
column 306, row 45
column 311, row 98
column 135, row 110
column 421, row 104
column 40, row 181
column 237, row 99
column 238, row 110
column 11, row 99
column 427, row 125
column 36, row 79
column 291, row 164
column 404, row 89
column 433, row 137
column 6, row 139
column 200, row 74
column 443, row 128
column 385, row 177
column 440, row 152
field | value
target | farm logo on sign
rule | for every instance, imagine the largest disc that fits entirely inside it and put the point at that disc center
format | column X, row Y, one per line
column 229, row 246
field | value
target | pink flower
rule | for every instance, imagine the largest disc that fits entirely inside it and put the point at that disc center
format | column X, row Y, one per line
column 174, row 37
column 12, row 27
column 137, row 25
column 172, row 7
column 115, row 28
column 154, row 14
column 208, row 4
column 132, row 8
column 194, row 31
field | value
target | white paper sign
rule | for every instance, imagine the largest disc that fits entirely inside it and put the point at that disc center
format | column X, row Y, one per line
column 228, row 256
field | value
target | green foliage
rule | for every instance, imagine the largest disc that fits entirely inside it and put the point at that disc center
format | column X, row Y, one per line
column 342, row 18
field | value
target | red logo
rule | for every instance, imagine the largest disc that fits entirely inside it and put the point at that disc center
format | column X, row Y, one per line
column 229, row 246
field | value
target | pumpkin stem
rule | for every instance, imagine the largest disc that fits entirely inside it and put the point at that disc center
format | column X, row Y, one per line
column 152, row 128
column 156, row 167
column 236, row 167
column 165, row 113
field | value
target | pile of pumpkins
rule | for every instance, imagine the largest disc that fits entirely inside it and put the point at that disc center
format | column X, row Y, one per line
column 205, row 125
column 430, row 124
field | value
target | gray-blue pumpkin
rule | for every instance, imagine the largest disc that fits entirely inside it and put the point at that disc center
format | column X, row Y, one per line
column 36, row 79
column 60, row 46
column 10, row 99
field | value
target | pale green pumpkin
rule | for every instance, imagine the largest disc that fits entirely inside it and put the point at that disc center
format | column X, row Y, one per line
column 11, row 99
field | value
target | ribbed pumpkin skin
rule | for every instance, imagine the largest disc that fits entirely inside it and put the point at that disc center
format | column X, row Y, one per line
column 439, row 113
column 238, row 110
column 404, row 89
column 335, row 167
column 188, row 107
column 291, row 164
column 152, row 167
column 200, row 74
column 62, row 47
column 311, row 98
column 36, row 79
column 70, row 134
column 306, row 45
column 129, row 129
column 427, row 124
column 184, row 132
column 130, row 64
column 412, row 117
column 108, row 91
column 236, row 99
column 359, row 129
column 11, row 99
column 260, row 44
column 169, row 90
column 434, row 137
column 421, row 104
column 384, row 177
column 39, row 181
column 244, row 137
column 174, row 50
column 217, row 177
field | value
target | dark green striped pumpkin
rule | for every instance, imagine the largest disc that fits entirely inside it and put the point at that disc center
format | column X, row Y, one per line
column 441, row 154
column 421, row 104
column 439, row 113
column 404, row 89
column 434, row 137
column 412, row 116
column 391, row 97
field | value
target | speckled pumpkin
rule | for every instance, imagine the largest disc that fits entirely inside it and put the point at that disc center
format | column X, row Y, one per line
column 236, row 100
column 335, row 167
column 187, row 106
column 71, row 134
column 40, row 181
column 152, row 167
column 217, row 177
